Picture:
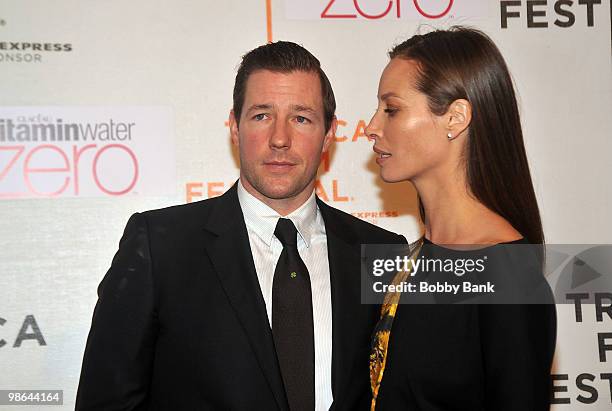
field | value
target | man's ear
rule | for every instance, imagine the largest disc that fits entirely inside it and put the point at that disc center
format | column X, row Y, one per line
column 233, row 126
column 459, row 116
column 330, row 135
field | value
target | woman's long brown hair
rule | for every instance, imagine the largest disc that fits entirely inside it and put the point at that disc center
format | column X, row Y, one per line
column 464, row 63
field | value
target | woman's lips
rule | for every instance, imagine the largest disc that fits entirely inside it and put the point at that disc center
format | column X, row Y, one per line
column 381, row 156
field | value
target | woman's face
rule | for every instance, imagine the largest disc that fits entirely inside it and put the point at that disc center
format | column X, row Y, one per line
column 409, row 140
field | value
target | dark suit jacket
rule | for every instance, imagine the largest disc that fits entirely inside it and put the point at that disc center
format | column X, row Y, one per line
column 181, row 324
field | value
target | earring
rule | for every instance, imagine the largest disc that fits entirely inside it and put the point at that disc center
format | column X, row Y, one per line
column 449, row 136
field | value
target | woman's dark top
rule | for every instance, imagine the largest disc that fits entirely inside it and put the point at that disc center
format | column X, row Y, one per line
column 493, row 357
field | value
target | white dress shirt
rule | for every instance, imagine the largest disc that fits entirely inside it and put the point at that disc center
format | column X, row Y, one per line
column 312, row 246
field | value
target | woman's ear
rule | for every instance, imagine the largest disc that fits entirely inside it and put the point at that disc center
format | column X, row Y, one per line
column 459, row 116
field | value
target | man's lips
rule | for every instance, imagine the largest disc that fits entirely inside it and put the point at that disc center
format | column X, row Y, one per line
column 279, row 165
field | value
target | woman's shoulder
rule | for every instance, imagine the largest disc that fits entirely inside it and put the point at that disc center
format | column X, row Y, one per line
column 491, row 228
column 500, row 232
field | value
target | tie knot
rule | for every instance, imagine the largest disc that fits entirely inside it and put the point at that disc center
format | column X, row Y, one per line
column 286, row 232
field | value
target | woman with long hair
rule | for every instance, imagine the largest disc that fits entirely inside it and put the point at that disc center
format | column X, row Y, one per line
column 447, row 120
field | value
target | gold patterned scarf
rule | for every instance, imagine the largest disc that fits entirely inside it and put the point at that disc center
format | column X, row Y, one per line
column 382, row 331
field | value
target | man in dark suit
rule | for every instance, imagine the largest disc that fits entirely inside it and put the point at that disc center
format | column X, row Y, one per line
column 248, row 301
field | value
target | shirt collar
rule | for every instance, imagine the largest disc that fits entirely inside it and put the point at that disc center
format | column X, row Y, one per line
column 261, row 218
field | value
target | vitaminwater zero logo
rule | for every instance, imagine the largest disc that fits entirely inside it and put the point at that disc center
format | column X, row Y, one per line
column 85, row 152
column 390, row 8
column 383, row 9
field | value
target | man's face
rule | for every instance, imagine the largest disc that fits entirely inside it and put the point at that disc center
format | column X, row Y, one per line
column 281, row 135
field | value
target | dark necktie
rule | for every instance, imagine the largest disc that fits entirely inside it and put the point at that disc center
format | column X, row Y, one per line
column 292, row 323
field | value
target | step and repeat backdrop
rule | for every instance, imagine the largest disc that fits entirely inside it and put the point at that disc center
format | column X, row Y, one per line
column 112, row 107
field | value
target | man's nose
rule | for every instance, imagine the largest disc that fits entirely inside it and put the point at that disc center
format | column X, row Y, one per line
column 280, row 137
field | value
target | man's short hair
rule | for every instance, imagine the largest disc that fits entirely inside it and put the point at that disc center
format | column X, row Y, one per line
column 282, row 57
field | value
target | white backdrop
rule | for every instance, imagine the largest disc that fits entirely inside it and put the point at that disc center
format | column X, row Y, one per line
column 167, row 68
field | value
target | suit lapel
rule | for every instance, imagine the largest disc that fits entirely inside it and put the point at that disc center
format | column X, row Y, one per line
column 227, row 245
column 347, row 327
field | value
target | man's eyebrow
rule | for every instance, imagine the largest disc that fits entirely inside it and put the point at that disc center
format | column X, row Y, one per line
column 301, row 108
column 260, row 107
